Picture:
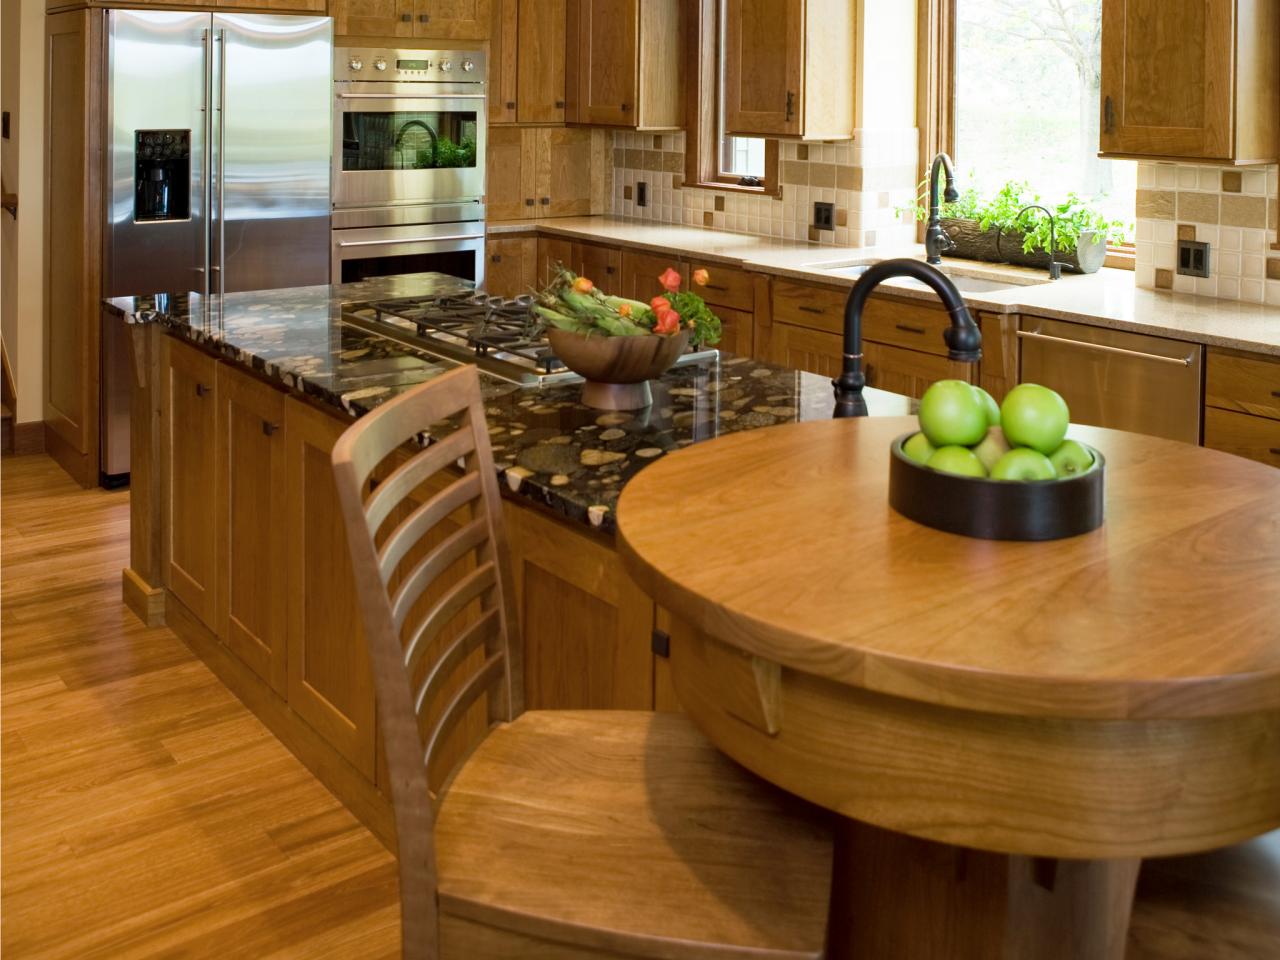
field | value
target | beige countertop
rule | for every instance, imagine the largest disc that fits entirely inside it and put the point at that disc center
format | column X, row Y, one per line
column 1108, row 298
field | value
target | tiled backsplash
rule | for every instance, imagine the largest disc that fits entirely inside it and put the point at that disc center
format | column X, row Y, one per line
column 1234, row 210
column 867, row 178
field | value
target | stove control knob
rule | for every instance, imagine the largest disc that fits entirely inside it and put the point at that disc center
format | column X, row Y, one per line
column 355, row 64
column 467, row 66
column 379, row 64
column 446, row 65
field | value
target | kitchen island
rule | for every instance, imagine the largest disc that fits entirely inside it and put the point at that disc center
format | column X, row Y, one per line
column 237, row 543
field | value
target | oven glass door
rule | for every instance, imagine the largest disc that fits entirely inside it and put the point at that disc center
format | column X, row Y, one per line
column 392, row 148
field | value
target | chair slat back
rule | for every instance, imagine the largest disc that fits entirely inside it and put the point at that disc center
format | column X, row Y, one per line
column 431, row 566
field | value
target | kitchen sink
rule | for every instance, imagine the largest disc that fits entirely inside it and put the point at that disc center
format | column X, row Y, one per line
column 966, row 281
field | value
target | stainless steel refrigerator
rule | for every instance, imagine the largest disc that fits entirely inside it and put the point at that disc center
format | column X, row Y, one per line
column 219, row 146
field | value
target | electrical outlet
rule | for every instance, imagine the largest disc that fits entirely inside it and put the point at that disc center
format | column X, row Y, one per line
column 642, row 194
column 824, row 216
column 1193, row 258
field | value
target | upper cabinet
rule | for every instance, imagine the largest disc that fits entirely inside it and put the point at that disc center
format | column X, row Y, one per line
column 526, row 61
column 545, row 172
column 426, row 19
column 1191, row 79
column 625, row 65
column 789, row 68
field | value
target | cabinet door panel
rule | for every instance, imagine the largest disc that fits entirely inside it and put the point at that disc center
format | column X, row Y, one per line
column 510, row 174
column 540, row 93
column 736, row 331
column 251, row 499
column 640, row 272
column 1167, row 77
column 1257, row 438
column 763, row 56
column 606, row 62
column 452, row 19
column 553, row 251
column 504, row 48
column 512, row 267
column 372, row 18
column 602, row 265
column 909, row 372
column 564, row 172
column 803, row 349
column 330, row 685
column 190, row 433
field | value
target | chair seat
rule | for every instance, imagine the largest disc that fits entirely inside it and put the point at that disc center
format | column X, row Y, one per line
column 626, row 833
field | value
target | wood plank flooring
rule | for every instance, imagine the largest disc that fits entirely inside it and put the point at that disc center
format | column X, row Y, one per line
column 147, row 813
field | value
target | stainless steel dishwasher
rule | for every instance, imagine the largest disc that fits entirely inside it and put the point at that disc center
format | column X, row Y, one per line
column 1113, row 378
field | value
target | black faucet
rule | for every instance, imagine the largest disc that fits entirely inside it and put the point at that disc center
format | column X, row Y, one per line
column 1055, row 268
column 935, row 238
column 964, row 341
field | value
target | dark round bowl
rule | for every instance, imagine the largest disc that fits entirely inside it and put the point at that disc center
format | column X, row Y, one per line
column 996, row 509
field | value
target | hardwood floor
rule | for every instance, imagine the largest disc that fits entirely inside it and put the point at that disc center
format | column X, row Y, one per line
column 147, row 813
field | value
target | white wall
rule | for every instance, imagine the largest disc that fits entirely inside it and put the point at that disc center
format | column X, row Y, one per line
column 22, row 161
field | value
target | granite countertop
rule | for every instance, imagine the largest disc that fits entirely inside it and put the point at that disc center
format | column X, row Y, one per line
column 1109, row 298
column 549, row 448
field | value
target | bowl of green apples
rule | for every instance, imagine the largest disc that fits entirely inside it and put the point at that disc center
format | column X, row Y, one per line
column 996, row 471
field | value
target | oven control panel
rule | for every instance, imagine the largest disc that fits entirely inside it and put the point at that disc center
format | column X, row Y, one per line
column 408, row 66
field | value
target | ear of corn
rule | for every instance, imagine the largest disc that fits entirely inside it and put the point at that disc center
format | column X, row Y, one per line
column 593, row 312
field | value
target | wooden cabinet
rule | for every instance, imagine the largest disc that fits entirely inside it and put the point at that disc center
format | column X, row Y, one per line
column 1242, row 404
column 527, row 62
column 553, row 252
column 329, row 681
column 736, row 331
column 640, row 272
column 998, row 369
column 1192, row 80
column 587, row 626
column 511, row 265
column 602, row 264
column 544, row 172
column 189, row 445
column 803, row 349
column 249, row 492
column 625, row 64
column 434, row 19
column 788, row 68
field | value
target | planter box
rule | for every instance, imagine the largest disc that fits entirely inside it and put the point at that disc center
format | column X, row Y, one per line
column 994, row 247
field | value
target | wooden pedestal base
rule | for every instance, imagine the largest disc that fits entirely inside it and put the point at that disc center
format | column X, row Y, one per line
column 909, row 899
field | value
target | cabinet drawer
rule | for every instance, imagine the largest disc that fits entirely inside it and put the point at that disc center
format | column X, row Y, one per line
column 1244, row 384
column 727, row 287
column 818, row 308
column 903, row 324
column 1257, row 438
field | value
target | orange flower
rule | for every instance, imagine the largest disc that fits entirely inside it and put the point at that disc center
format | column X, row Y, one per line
column 668, row 322
column 700, row 277
column 624, row 310
column 660, row 303
column 670, row 280
column 583, row 285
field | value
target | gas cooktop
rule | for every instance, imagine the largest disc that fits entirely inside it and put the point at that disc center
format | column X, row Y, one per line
column 504, row 337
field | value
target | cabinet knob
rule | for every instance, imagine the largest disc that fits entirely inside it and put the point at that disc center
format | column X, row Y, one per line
column 626, row 107
column 496, row 258
column 1108, row 116
column 511, row 104
column 545, row 201
column 528, row 201
column 559, row 104
column 608, row 270
column 269, row 428
column 424, row 18
column 406, row 18
column 201, row 389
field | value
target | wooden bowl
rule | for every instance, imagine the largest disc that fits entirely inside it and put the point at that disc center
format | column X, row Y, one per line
column 996, row 509
column 617, row 369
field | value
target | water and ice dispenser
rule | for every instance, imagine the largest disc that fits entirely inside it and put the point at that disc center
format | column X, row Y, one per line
column 162, row 175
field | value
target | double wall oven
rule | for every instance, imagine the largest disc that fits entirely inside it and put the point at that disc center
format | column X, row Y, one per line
column 409, row 131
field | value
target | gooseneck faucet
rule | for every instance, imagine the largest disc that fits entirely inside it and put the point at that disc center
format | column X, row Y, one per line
column 935, row 238
column 1055, row 268
column 964, row 341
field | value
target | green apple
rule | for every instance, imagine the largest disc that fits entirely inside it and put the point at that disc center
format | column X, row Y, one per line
column 1023, row 463
column 1034, row 416
column 989, row 404
column 1071, row 459
column 918, row 448
column 951, row 414
column 992, row 448
column 958, row 460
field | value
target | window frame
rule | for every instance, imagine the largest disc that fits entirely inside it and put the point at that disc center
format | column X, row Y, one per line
column 936, row 102
column 704, row 145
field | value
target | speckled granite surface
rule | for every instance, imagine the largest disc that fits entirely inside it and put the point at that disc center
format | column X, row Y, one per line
column 549, row 448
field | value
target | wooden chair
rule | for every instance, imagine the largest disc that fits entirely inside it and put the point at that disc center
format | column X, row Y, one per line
column 542, row 834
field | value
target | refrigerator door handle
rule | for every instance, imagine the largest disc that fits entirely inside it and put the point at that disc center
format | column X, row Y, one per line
column 206, row 89
column 220, row 118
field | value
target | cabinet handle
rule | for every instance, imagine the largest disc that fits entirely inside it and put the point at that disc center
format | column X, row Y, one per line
column 406, row 18
column 907, row 328
column 511, row 104
column 269, row 428
column 424, row 18
column 608, row 270
column 1276, row 451
column 791, row 104
column 496, row 258
column 712, row 286
column 201, row 389
column 1275, row 393
column 626, row 107
column 1108, row 116
column 528, row 201
column 545, row 201
column 808, row 309
column 1103, row 348
column 559, row 104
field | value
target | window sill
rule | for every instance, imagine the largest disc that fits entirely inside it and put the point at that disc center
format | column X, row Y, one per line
column 728, row 188
column 1121, row 258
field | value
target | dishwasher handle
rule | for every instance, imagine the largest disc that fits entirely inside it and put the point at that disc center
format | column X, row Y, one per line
column 1102, row 348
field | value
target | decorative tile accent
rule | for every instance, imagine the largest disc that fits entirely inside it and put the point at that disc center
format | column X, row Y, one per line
column 1155, row 204
column 1198, row 207
column 719, row 202
column 1186, row 231
column 1273, row 268
column 1244, row 211
column 1232, row 181
column 802, row 151
column 1164, row 279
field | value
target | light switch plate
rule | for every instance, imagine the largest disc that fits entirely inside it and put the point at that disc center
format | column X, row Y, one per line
column 1193, row 258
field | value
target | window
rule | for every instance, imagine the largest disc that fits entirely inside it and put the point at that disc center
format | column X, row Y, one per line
column 741, row 158
column 1025, row 87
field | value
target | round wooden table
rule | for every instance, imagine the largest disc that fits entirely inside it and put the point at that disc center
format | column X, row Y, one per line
column 1006, row 728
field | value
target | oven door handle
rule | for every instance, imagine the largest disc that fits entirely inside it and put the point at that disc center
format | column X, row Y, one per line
column 411, row 96
column 385, row 243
